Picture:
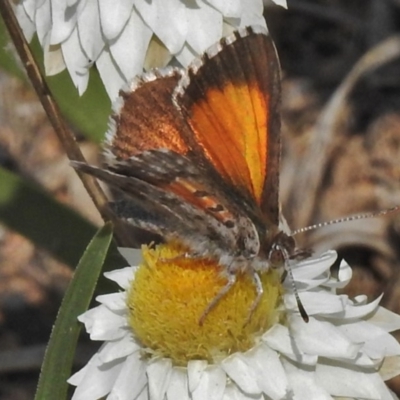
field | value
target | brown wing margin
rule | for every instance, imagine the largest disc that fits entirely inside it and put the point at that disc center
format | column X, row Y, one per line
column 270, row 66
column 230, row 99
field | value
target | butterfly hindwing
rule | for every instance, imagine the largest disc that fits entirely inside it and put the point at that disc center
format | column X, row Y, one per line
column 145, row 118
column 155, row 206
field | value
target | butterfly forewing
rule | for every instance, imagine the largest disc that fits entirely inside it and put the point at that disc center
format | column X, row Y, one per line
column 191, row 216
column 230, row 99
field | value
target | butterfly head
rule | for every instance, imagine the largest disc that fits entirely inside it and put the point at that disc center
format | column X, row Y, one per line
column 281, row 250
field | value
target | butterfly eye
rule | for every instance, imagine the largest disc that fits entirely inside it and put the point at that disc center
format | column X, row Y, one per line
column 281, row 250
column 276, row 257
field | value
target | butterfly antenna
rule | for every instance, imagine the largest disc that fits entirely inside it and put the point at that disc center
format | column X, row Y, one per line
column 289, row 271
column 346, row 219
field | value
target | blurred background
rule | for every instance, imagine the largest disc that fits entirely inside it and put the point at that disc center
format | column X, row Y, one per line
column 341, row 156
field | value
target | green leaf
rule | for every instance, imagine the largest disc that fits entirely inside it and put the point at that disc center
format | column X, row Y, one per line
column 59, row 356
column 33, row 213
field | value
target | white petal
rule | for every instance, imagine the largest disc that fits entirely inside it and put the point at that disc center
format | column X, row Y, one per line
column 230, row 25
column 378, row 343
column 157, row 12
column 53, row 59
column 113, row 301
column 271, row 377
column 147, row 11
column 30, row 7
column 303, row 382
column 89, row 316
column 205, row 26
column 186, row 55
column 114, row 15
column 80, row 5
column 89, row 31
column 157, row 55
column 349, row 382
column 129, row 50
column 132, row 256
column 63, row 21
column 131, row 380
column 306, row 284
column 232, row 392
column 81, row 82
column 195, row 372
column 387, row 320
column 143, row 395
column 344, row 276
column 316, row 303
column 103, row 324
column 360, row 300
column 178, row 386
column 322, row 338
column 211, row 385
column 43, row 22
column 392, row 395
column 252, row 14
column 122, row 276
column 241, row 373
column 40, row 3
column 353, row 310
column 279, row 339
column 77, row 378
column 174, row 33
column 362, row 360
column 382, row 346
column 228, row 8
column 26, row 24
column 315, row 267
column 159, row 374
column 110, row 74
column 390, row 368
column 281, row 3
column 120, row 348
column 97, row 382
column 76, row 61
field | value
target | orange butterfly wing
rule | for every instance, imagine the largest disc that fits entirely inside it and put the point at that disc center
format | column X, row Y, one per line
column 230, row 98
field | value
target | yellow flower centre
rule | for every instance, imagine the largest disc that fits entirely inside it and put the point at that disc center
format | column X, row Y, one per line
column 170, row 293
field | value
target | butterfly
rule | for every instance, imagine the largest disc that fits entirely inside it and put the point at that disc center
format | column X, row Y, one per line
column 196, row 153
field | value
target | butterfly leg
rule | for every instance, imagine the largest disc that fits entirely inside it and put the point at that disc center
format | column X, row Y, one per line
column 218, row 297
column 260, row 291
column 184, row 256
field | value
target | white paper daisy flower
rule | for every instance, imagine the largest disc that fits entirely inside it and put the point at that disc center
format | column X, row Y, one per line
column 122, row 37
column 154, row 347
